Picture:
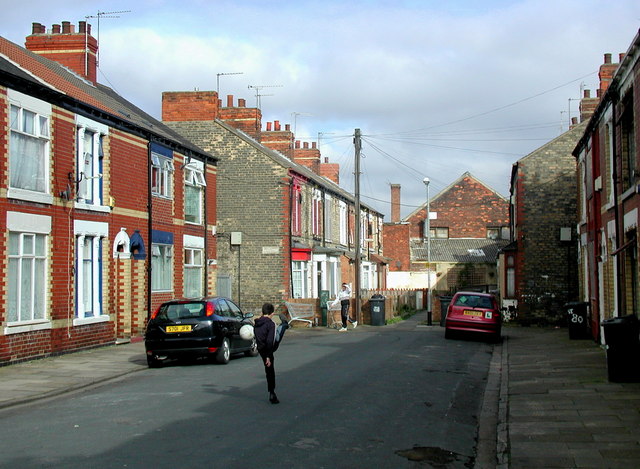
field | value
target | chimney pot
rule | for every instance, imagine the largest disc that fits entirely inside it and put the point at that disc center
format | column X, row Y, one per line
column 574, row 121
column 621, row 56
column 82, row 27
column 587, row 93
column 229, row 100
column 242, row 102
column 313, row 145
column 607, row 58
column 35, row 28
column 287, row 127
column 66, row 27
column 55, row 29
column 395, row 203
column 276, row 126
column 268, row 126
column 297, row 143
column 599, row 93
column 326, row 159
column 306, row 145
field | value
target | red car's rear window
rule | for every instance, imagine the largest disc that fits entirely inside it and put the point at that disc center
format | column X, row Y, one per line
column 474, row 301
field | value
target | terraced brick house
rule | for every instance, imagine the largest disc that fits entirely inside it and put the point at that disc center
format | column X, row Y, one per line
column 285, row 227
column 106, row 211
column 607, row 156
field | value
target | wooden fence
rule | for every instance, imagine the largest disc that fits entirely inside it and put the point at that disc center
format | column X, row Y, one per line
column 396, row 301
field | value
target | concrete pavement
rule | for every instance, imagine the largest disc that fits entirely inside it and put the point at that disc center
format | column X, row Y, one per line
column 548, row 403
column 561, row 410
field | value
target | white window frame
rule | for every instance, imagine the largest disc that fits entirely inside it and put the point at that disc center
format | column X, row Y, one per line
column 344, row 223
column 23, row 223
column 40, row 133
column 164, row 253
column 193, row 246
column 89, row 187
column 96, row 232
column 161, row 175
column 194, row 180
column 300, row 273
column 316, row 213
column 328, row 217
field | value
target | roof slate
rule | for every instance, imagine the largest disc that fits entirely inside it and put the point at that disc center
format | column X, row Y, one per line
column 38, row 73
column 458, row 250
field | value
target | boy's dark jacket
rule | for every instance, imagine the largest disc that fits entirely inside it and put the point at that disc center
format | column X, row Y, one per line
column 265, row 330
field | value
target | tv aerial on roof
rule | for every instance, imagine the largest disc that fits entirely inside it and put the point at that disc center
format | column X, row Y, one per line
column 103, row 14
column 258, row 94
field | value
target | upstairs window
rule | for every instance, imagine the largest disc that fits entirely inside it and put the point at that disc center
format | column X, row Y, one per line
column 328, row 218
column 316, row 214
column 344, row 225
column 194, row 183
column 90, row 155
column 29, row 143
column 627, row 128
column 161, row 175
column 441, row 232
column 296, row 210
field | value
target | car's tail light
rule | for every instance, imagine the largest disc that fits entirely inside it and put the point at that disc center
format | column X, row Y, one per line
column 155, row 313
column 210, row 309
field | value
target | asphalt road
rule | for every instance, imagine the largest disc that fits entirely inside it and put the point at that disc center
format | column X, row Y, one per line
column 387, row 397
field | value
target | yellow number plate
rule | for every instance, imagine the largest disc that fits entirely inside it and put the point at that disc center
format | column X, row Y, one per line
column 470, row 312
column 178, row 328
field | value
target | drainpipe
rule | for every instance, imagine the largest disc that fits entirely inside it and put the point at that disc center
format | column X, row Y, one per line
column 290, row 266
column 206, row 242
column 149, row 228
column 616, row 208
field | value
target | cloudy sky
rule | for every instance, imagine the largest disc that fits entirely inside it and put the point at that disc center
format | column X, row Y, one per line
column 437, row 88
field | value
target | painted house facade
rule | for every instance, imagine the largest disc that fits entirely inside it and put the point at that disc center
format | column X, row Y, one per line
column 607, row 156
column 285, row 228
column 106, row 210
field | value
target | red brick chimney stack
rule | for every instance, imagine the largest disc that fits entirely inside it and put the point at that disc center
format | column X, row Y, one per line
column 76, row 51
column 182, row 106
column 395, row 203
column 330, row 170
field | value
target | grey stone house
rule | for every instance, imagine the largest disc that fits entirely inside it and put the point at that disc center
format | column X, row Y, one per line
column 283, row 230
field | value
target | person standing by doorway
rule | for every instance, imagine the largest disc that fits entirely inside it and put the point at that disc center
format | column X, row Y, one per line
column 268, row 339
column 344, row 296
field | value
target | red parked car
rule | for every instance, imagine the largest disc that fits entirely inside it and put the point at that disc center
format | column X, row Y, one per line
column 473, row 312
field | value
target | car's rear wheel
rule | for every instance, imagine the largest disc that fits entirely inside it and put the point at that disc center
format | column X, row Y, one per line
column 153, row 361
column 224, row 352
column 253, row 352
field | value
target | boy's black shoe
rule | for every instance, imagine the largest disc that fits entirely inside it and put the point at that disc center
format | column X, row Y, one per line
column 284, row 319
column 273, row 398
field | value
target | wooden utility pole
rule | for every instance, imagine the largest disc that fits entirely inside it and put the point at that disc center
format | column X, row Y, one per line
column 358, row 146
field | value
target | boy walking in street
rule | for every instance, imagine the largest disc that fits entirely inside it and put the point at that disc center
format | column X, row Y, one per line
column 268, row 339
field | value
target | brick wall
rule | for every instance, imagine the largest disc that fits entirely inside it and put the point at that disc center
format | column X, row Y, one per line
column 467, row 208
column 396, row 246
column 547, row 270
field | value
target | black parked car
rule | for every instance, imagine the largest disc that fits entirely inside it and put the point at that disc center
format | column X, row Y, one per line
column 207, row 327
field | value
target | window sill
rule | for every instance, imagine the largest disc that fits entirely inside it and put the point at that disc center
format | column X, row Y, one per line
column 91, row 207
column 90, row 320
column 31, row 196
column 28, row 326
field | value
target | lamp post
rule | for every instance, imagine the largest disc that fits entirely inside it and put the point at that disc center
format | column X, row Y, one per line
column 427, row 229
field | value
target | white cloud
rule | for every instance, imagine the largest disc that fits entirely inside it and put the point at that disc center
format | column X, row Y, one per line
column 457, row 69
